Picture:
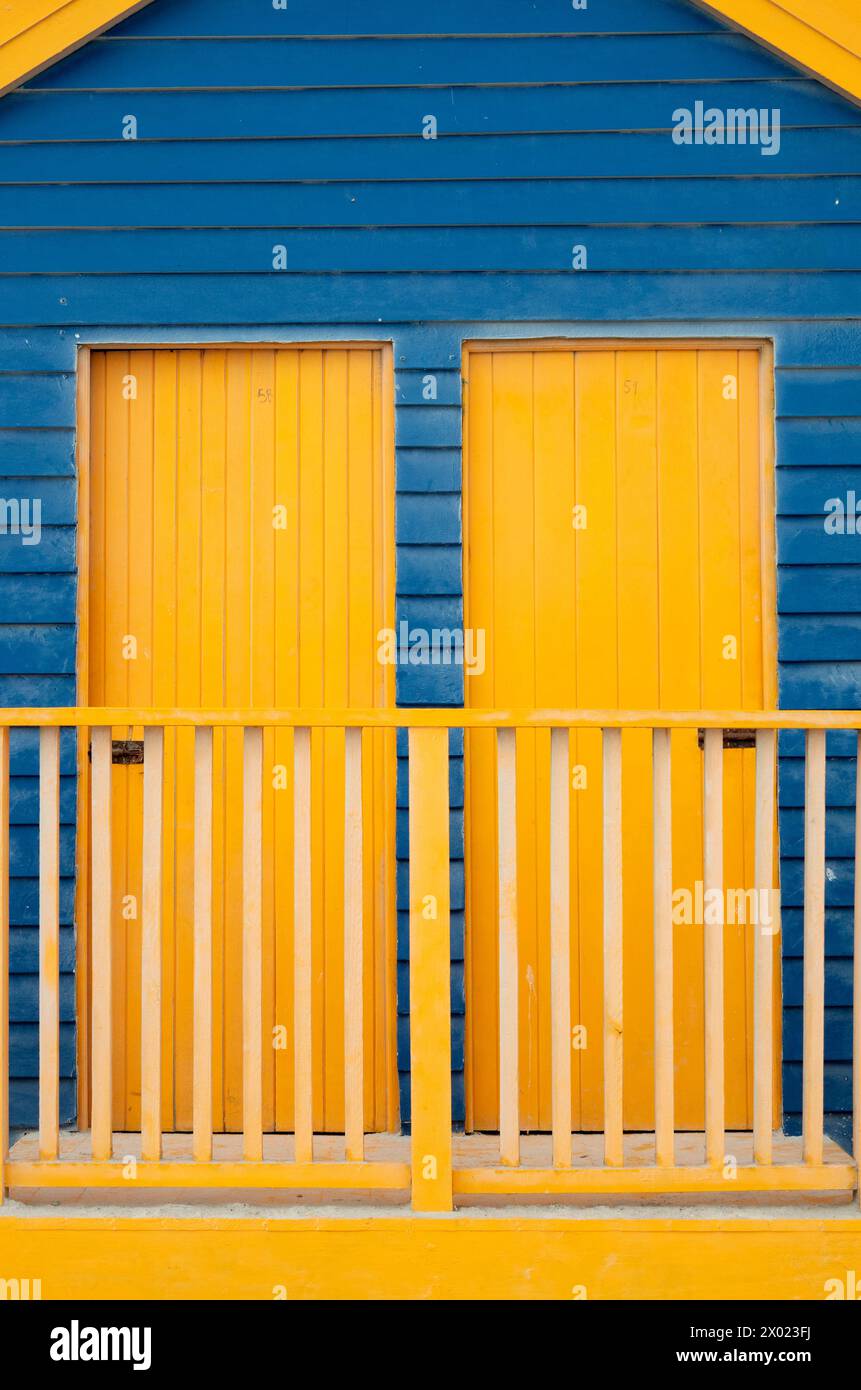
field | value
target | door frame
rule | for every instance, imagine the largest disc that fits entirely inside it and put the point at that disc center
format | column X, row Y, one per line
column 83, row 972
column 768, row 574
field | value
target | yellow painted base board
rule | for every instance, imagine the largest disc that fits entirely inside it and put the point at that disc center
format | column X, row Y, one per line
column 414, row 1257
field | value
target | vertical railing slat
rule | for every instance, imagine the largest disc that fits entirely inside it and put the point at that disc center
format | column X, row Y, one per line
column 302, row 1017
column 856, row 983
column 713, row 946
column 101, row 1100
column 4, row 956
column 430, row 970
column 613, row 1002
column 202, row 1044
column 662, row 837
column 763, row 959
column 560, row 947
column 151, row 943
column 509, row 1080
column 49, row 943
column 354, row 1083
column 252, row 945
column 813, row 1084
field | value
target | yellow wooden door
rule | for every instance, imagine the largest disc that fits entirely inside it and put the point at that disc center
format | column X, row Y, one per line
column 614, row 557
column 240, row 545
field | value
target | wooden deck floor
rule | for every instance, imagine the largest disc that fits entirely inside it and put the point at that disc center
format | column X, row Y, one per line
column 471, row 1151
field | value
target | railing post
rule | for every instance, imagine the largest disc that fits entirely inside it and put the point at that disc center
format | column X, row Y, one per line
column 49, row 943
column 151, row 944
column 430, row 970
column 856, row 983
column 101, row 895
column 4, row 956
column 813, row 1049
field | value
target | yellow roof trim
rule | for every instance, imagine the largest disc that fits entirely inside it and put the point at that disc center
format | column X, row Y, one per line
column 36, row 33
column 822, row 36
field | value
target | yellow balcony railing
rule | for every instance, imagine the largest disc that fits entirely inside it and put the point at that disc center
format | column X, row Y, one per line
column 435, row 1167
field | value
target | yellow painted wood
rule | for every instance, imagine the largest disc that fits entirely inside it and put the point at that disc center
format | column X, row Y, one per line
column 49, row 942
column 813, row 1091
column 4, row 957
column 83, row 444
column 202, row 1042
column 252, row 946
column 763, row 1002
column 560, row 947
column 206, row 1176
column 662, row 850
column 430, row 970
column 101, row 908
column 152, row 952
column 713, row 955
column 302, row 938
column 354, row 1091
column 823, row 36
column 89, row 716
column 405, row 1257
column 509, row 981
column 856, row 977
column 36, row 33
column 613, row 958
column 240, row 501
column 687, row 1178
column 622, row 606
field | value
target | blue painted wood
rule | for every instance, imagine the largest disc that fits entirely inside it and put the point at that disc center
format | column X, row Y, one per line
column 839, row 931
column 820, row 198
column 821, row 638
column 428, row 518
column 27, row 401
column 434, row 61
column 40, row 115
column 423, row 249
column 24, row 1102
column 24, row 998
column 425, row 569
column 306, row 17
column 632, row 154
column 817, row 589
column 838, row 1090
column 805, row 491
column 319, row 298
column 37, row 452
column 24, row 902
column 56, row 550
column 819, row 393
column 813, row 442
column 24, row 1049
column 840, row 782
column 838, row 887
column 24, row 950
column 838, row 1034
column 428, row 470
column 45, row 598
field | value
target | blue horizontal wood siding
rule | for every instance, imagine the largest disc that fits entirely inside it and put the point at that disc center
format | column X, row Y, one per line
column 303, row 128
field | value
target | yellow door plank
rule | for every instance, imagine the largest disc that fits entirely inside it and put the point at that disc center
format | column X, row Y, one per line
column 616, row 557
column 239, row 499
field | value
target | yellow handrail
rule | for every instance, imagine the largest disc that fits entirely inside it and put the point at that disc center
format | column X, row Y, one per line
column 88, row 717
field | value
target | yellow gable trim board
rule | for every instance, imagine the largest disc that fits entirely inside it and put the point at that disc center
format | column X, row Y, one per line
column 823, row 36
column 820, row 35
column 36, row 33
